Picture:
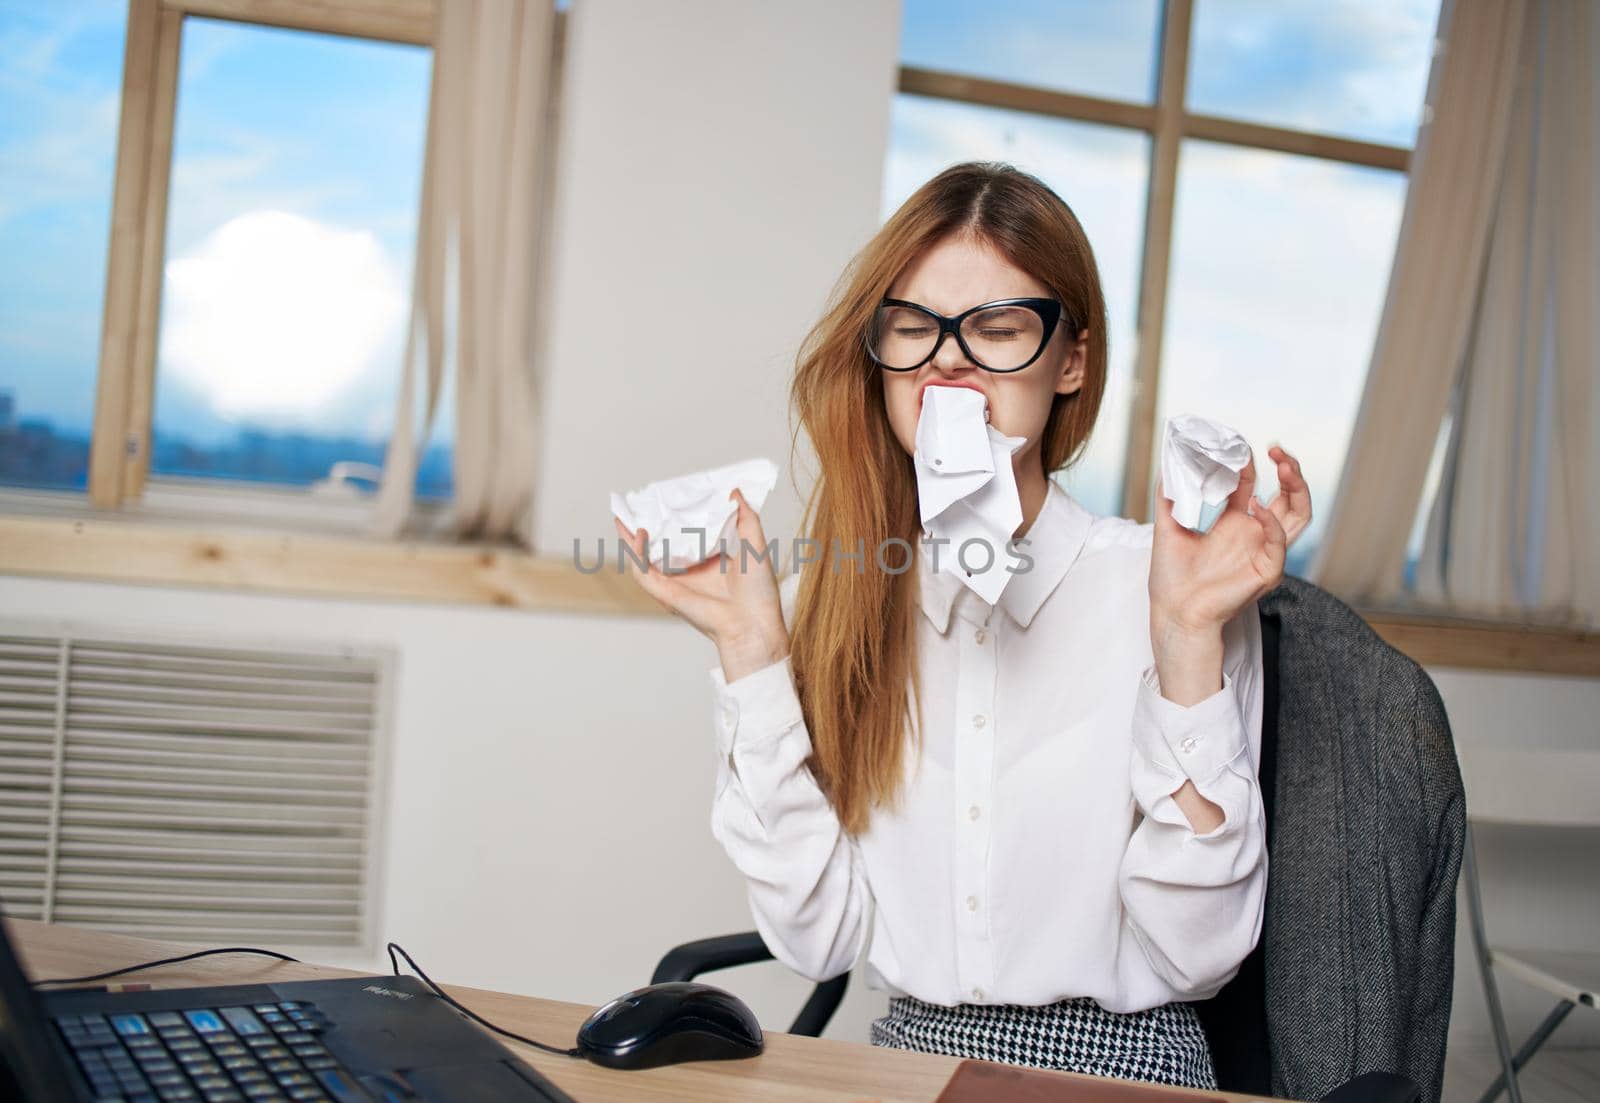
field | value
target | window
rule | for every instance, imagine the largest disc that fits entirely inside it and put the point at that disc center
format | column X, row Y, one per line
column 60, row 82
column 262, row 264
column 1252, row 204
column 291, row 222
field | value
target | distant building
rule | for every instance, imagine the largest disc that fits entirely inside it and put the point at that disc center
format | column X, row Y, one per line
column 8, row 407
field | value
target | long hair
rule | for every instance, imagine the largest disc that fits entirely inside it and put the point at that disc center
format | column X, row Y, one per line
column 853, row 641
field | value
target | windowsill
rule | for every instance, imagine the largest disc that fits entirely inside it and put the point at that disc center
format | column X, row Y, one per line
column 60, row 536
column 1447, row 641
column 259, row 543
column 240, row 505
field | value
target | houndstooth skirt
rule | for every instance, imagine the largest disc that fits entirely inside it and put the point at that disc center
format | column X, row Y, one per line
column 1164, row 1044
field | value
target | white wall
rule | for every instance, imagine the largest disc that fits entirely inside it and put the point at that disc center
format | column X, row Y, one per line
column 550, row 792
column 1541, row 888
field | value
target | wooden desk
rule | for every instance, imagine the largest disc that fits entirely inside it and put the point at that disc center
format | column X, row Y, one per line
column 814, row 1070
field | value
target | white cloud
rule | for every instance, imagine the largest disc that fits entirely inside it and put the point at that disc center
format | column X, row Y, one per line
column 277, row 318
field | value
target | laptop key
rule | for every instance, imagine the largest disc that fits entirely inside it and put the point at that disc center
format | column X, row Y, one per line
column 129, row 1025
column 243, row 1020
column 205, row 1022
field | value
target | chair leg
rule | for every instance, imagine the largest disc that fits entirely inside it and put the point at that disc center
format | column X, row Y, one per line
column 1531, row 1046
column 1497, row 1020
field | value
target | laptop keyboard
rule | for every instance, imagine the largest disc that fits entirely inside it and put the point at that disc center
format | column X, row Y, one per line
column 267, row 1051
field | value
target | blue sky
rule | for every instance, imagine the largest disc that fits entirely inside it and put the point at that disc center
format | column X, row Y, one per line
column 297, row 165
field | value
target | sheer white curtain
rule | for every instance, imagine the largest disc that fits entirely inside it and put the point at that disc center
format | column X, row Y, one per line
column 473, row 308
column 1513, row 529
column 1489, row 317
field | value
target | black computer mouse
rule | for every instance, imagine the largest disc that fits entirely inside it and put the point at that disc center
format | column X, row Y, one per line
column 663, row 1024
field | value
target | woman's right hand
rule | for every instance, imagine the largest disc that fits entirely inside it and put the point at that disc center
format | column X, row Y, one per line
column 732, row 599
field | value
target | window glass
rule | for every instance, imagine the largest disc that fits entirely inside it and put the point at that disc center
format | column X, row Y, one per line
column 1280, row 265
column 1354, row 68
column 60, row 94
column 1084, row 46
column 291, row 227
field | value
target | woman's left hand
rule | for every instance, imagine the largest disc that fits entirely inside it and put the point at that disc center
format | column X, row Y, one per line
column 1198, row 582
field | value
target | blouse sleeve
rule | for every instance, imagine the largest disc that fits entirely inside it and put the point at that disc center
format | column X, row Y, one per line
column 1194, row 902
column 803, row 873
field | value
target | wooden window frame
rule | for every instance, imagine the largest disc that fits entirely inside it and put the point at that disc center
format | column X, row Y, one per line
column 122, row 550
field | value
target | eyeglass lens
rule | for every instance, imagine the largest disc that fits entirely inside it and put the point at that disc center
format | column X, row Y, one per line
column 1002, row 338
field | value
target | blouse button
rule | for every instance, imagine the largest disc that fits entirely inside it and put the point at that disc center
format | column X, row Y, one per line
column 979, row 720
column 1188, row 744
column 972, row 903
column 977, row 993
column 981, row 635
column 973, row 812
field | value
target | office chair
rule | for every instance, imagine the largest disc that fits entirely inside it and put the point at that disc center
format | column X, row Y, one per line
column 1368, row 705
column 1529, row 789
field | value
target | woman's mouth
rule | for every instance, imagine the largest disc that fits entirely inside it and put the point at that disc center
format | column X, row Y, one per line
column 923, row 394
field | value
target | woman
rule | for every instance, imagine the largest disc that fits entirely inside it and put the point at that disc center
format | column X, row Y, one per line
column 1037, row 819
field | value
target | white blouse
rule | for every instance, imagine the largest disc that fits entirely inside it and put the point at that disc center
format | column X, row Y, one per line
column 1036, row 853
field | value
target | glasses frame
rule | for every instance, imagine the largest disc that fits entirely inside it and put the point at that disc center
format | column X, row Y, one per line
column 1049, row 311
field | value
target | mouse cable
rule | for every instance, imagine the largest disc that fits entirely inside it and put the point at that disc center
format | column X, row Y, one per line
column 395, row 948
column 163, row 961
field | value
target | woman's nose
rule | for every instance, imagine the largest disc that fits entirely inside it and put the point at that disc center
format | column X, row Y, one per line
column 949, row 357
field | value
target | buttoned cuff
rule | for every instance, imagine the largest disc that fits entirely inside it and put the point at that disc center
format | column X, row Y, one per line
column 755, row 708
column 1195, row 742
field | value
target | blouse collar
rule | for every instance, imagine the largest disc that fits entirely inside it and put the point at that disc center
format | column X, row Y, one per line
column 1053, row 541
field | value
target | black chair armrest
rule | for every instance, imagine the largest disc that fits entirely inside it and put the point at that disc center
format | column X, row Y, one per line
column 725, row 951
column 710, row 954
column 1375, row 1087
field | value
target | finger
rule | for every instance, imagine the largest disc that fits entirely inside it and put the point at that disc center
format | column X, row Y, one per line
column 1293, row 503
column 748, row 524
column 1240, row 498
column 1164, row 519
column 629, row 536
column 1277, row 544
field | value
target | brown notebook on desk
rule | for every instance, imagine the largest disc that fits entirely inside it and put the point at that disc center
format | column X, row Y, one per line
column 985, row 1082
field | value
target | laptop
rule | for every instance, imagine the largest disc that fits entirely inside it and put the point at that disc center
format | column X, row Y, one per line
column 385, row 1039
